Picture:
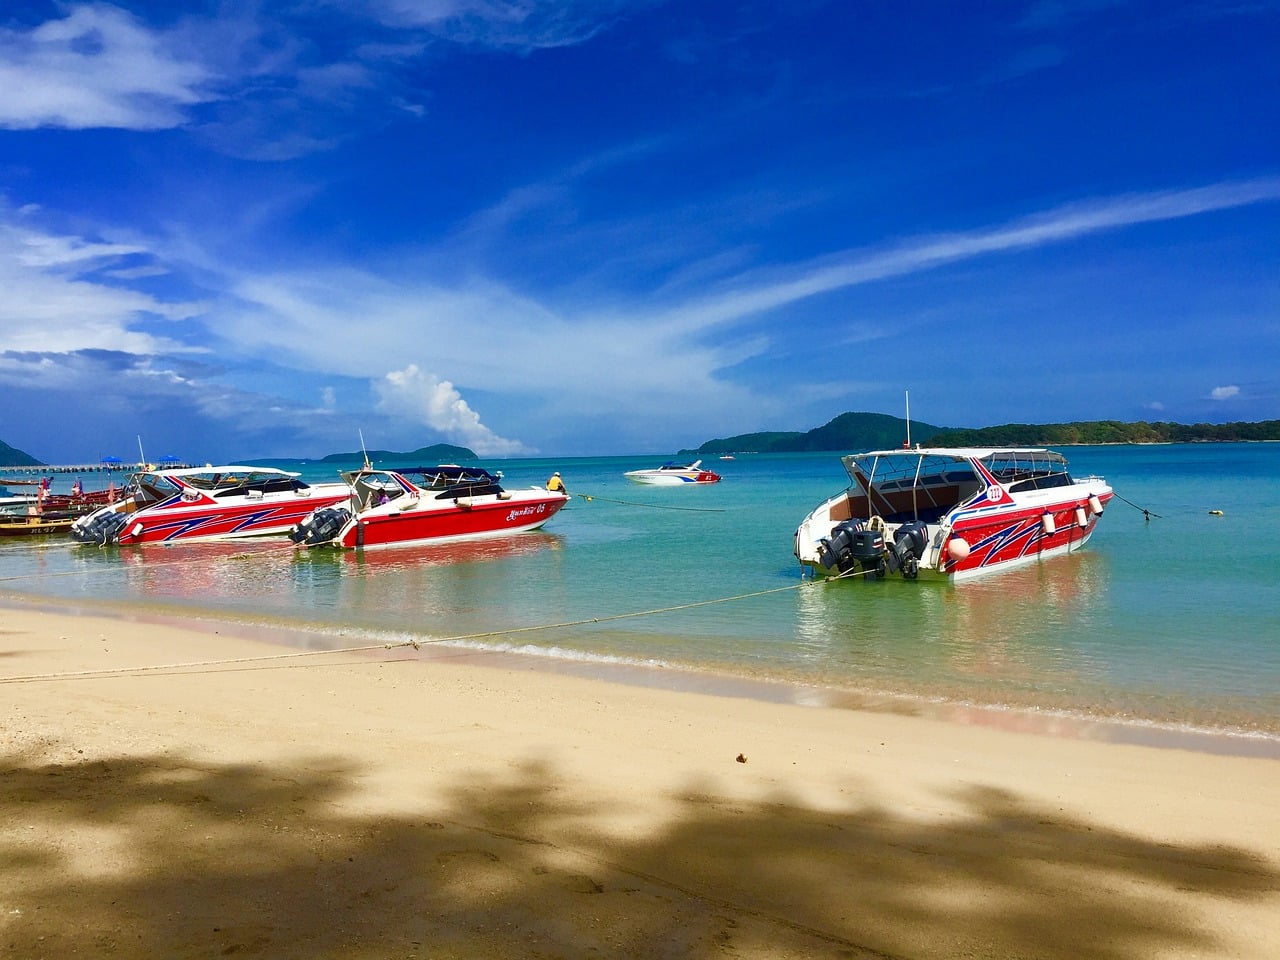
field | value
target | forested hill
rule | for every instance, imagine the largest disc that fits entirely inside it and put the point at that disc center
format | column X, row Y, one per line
column 13, row 457
column 877, row 431
column 436, row 453
column 849, row 431
column 1103, row 431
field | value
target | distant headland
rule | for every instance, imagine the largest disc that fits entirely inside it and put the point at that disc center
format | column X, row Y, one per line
column 436, row 453
column 878, row 431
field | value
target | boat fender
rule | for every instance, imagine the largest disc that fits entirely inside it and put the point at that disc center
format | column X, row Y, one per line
column 1082, row 518
column 1047, row 522
column 957, row 548
column 1095, row 504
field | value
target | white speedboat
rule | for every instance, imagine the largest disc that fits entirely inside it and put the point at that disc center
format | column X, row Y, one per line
column 673, row 474
column 205, row 503
column 385, row 508
column 950, row 513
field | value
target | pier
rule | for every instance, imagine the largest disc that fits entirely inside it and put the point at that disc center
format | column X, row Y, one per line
column 105, row 467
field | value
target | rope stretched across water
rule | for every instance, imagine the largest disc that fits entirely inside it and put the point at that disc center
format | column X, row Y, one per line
column 416, row 644
column 654, row 506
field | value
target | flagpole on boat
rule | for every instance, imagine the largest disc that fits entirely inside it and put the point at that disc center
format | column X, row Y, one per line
column 908, row 393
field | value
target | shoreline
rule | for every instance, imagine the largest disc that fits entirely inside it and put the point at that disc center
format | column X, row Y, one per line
column 693, row 679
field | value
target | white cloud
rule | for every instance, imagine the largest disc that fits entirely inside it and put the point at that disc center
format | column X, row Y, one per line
column 97, row 67
column 1224, row 393
column 55, row 303
column 436, row 404
column 1154, row 405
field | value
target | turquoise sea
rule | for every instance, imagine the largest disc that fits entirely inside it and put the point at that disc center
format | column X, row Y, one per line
column 1165, row 629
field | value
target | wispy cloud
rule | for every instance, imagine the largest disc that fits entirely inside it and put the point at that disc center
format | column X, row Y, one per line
column 519, row 25
column 97, row 67
column 1065, row 223
column 56, row 300
column 1224, row 393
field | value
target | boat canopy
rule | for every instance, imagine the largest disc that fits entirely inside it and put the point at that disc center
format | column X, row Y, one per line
column 446, row 480
column 1019, row 469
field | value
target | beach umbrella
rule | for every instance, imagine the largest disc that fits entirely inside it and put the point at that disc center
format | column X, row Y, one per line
column 170, row 459
column 111, row 460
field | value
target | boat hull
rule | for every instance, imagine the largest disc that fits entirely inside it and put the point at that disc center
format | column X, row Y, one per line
column 33, row 526
column 449, row 521
column 671, row 478
column 1015, row 539
column 178, row 521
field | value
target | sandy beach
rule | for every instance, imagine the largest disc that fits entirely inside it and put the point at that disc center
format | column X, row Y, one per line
column 381, row 805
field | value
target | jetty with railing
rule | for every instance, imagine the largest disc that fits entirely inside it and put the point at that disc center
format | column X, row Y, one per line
column 102, row 466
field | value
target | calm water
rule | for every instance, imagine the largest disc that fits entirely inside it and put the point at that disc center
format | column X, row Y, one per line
column 1167, row 623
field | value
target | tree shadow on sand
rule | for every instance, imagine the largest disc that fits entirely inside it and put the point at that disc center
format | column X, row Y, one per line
column 161, row 857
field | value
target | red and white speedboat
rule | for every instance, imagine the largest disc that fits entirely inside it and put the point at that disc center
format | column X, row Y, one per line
column 205, row 503
column 385, row 508
column 950, row 513
column 674, row 474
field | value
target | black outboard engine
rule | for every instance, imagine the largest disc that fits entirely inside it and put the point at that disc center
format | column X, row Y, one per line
column 908, row 547
column 321, row 526
column 102, row 528
column 850, row 546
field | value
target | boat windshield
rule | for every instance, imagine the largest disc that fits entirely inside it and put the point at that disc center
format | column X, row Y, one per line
column 903, row 471
column 1028, row 469
column 151, row 487
column 375, row 487
column 912, row 486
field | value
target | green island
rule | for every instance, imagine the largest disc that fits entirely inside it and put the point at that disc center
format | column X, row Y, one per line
column 436, row 453
column 877, row 431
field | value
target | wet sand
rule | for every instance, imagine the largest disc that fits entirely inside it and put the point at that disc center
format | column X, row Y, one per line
column 381, row 805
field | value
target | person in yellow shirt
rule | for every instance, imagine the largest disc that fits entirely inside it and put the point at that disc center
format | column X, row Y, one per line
column 555, row 484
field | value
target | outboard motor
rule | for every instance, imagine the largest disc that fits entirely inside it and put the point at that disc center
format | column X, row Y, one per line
column 100, row 528
column 850, row 546
column 320, row 527
column 908, row 548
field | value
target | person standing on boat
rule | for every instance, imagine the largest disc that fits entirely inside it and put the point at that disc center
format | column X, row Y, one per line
column 555, row 484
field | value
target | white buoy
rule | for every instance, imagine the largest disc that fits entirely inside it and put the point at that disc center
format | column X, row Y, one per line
column 1046, row 521
column 1095, row 504
column 957, row 548
column 1082, row 518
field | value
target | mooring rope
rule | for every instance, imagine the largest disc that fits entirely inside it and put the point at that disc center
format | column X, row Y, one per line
column 416, row 644
column 654, row 506
column 1145, row 512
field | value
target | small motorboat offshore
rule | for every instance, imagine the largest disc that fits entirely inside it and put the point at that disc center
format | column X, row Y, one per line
column 386, row 508
column 205, row 503
column 674, row 474
column 950, row 513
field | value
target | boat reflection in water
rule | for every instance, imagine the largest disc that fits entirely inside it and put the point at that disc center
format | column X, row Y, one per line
column 267, row 575
column 446, row 554
column 1021, row 638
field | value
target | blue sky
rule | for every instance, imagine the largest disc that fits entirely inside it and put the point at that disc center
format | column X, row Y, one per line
column 576, row 227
